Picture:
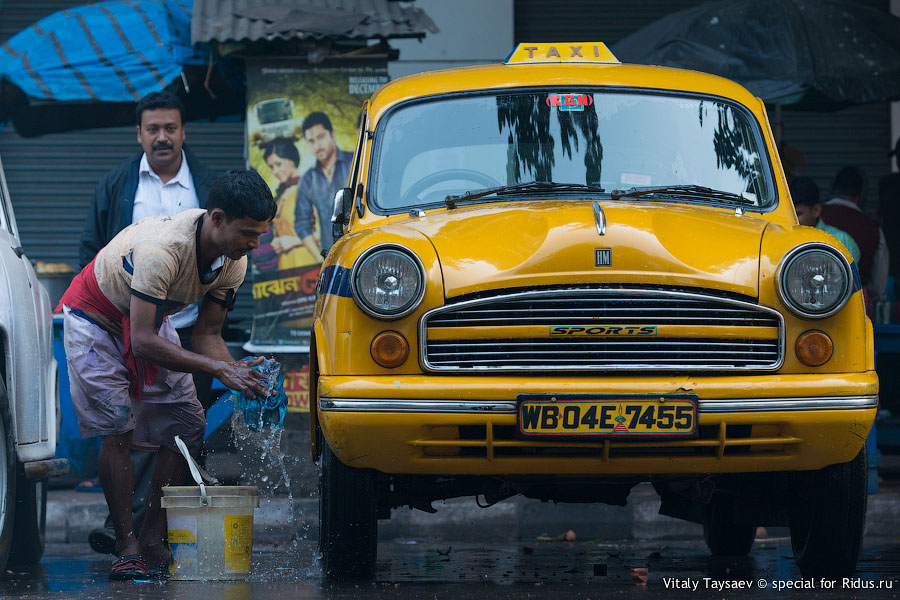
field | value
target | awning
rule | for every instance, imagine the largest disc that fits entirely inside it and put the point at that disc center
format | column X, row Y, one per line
column 113, row 51
column 252, row 20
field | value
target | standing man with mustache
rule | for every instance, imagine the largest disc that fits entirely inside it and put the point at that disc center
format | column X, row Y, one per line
column 163, row 179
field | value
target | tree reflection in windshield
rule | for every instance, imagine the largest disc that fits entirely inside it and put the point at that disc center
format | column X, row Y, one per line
column 586, row 121
column 733, row 146
column 530, row 141
column 526, row 121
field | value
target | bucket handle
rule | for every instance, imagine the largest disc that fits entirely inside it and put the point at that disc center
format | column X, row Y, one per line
column 195, row 470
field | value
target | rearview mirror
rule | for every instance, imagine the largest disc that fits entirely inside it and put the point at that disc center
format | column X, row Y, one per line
column 343, row 202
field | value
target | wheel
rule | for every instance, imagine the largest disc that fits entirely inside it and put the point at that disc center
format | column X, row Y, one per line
column 7, row 479
column 348, row 522
column 412, row 194
column 828, row 518
column 31, row 520
column 723, row 536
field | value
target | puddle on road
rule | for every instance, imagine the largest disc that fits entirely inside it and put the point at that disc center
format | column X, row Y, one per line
column 434, row 568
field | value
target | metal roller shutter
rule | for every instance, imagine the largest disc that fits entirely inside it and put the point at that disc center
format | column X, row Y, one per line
column 859, row 135
column 853, row 136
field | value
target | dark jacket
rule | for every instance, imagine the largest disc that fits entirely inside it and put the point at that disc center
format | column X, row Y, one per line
column 889, row 211
column 113, row 203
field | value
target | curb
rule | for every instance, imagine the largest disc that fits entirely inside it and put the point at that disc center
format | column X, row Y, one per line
column 72, row 515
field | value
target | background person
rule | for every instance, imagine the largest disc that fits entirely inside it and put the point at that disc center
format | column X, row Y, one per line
column 128, row 371
column 842, row 210
column 792, row 160
column 889, row 212
column 320, row 183
column 808, row 206
column 164, row 178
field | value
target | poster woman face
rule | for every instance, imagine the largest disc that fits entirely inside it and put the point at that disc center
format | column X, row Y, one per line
column 282, row 168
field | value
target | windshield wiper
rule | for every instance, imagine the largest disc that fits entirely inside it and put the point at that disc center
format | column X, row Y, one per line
column 684, row 191
column 517, row 188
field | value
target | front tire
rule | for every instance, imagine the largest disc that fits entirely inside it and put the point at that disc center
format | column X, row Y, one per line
column 31, row 521
column 348, row 521
column 723, row 536
column 7, row 479
column 828, row 518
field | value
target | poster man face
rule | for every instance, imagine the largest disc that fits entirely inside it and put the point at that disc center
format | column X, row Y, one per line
column 322, row 143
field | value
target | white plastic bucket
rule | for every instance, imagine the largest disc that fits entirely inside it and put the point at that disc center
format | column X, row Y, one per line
column 210, row 540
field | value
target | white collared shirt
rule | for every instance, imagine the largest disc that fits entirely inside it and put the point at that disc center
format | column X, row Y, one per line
column 155, row 198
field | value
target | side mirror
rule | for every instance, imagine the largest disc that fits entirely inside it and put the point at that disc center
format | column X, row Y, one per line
column 343, row 202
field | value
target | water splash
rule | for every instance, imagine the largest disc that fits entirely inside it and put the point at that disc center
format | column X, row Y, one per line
column 262, row 437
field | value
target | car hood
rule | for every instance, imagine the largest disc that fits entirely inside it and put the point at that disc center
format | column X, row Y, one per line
column 519, row 244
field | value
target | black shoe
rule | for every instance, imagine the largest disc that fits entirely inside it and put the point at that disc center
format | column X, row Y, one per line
column 102, row 540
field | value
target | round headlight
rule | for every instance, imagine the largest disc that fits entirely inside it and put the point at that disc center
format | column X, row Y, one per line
column 388, row 282
column 815, row 280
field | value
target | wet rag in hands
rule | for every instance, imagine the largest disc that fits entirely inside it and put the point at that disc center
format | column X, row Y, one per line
column 264, row 412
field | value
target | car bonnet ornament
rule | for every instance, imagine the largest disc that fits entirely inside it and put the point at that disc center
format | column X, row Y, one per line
column 600, row 218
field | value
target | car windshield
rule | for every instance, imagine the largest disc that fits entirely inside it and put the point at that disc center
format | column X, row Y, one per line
column 620, row 142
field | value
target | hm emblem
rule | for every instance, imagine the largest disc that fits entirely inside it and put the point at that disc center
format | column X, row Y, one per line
column 602, row 257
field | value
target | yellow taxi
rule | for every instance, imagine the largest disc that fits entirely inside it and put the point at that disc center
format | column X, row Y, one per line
column 562, row 276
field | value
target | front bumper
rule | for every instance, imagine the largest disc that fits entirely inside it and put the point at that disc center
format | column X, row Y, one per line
column 466, row 425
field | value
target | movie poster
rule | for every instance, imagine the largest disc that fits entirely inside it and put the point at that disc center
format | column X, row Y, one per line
column 302, row 124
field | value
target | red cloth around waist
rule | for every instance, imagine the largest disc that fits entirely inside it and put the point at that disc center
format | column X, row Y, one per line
column 84, row 294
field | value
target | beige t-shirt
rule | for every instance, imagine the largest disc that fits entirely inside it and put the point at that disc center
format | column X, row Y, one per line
column 156, row 259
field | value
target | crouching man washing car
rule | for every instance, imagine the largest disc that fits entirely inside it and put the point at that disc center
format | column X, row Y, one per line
column 130, row 377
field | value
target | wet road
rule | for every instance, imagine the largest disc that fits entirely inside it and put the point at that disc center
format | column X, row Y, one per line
column 436, row 569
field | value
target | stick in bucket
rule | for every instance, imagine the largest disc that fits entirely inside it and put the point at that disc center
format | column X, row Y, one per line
column 197, row 471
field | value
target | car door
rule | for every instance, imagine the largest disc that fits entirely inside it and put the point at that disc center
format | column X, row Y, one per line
column 25, row 322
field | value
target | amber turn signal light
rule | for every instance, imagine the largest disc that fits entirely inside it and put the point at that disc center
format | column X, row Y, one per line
column 814, row 348
column 390, row 349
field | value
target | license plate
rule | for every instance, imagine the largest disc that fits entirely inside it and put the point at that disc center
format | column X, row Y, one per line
column 619, row 417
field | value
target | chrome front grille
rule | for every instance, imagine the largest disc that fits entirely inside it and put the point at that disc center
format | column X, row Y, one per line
column 586, row 307
column 692, row 331
column 497, row 353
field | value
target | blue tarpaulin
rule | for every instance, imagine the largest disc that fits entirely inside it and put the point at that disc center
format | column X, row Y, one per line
column 114, row 51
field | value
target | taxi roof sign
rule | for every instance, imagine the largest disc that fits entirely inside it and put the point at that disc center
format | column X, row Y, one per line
column 561, row 52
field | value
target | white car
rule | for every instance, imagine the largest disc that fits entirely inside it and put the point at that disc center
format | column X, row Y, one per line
column 28, row 398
